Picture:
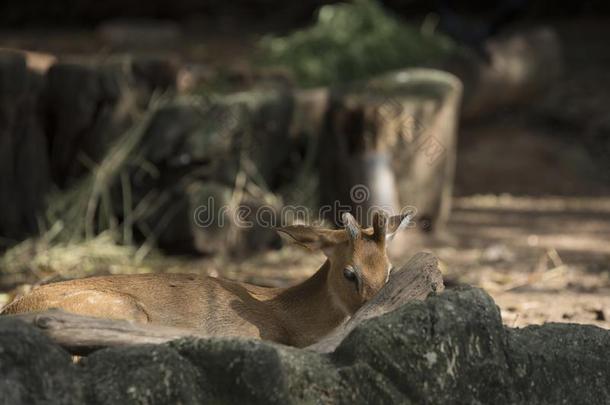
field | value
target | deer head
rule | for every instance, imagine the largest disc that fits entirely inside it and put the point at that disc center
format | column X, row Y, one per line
column 359, row 265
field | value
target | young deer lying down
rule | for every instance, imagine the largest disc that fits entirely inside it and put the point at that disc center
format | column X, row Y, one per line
column 356, row 269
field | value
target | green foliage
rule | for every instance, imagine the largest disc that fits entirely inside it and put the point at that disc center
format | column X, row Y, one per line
column 352, row 41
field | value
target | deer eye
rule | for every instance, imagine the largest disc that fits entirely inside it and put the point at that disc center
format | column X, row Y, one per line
column 350, row 274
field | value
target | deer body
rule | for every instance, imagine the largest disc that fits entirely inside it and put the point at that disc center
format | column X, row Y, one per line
column 298, row 316
column 208, row 305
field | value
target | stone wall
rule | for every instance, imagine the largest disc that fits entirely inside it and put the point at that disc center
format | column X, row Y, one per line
column 450, row 348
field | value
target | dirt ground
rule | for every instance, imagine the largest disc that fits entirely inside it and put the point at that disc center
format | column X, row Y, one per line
column 531, row 216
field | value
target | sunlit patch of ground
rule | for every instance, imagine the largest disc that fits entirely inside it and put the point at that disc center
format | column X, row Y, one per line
column 542, row 259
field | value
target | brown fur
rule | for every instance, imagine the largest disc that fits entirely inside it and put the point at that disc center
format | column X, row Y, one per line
column 297, row 316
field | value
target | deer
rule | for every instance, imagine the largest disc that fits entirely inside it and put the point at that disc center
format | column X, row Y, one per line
column 356, row 268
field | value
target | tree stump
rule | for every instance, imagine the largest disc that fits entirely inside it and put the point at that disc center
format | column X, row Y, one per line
column 390, row 143
column 24, row 165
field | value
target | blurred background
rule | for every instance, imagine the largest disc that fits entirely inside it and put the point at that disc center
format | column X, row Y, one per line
column 120, row 120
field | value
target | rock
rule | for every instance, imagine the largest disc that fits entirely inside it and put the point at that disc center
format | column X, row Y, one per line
column 449, row 348
column 549, row 361
column 141, row 375
column 260, row 372
column 33, row 370
column 24, row 165
column 446, row 347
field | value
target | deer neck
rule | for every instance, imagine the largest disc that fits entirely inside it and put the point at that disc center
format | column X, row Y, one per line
column 311, row 310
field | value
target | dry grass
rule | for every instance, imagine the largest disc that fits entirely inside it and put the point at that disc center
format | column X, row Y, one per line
column 86, row 209
column 46, row 260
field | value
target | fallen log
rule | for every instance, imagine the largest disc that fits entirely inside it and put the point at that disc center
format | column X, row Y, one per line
column 81, row 335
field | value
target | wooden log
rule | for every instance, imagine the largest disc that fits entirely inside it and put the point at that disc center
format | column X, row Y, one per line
column 414, row 281
column 81, row 335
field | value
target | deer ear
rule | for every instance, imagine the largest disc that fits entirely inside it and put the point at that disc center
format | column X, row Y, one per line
column 397, row 223
column 314, row 238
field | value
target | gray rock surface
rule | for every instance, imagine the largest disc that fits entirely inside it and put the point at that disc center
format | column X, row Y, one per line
column 451, row 348
column 32, row 369
column 140, row 375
